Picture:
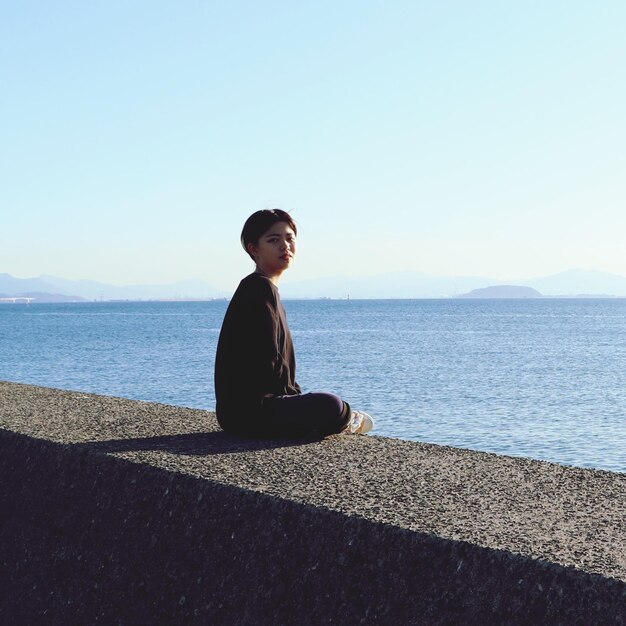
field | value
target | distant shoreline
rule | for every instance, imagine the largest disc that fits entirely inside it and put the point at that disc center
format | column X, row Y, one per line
column 22, row 301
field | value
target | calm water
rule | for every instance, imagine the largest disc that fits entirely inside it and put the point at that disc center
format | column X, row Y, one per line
column 538, row 378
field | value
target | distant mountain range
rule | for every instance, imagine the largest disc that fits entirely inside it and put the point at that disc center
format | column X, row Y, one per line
column 571, row 283
column 80, row 290
column 503, row 291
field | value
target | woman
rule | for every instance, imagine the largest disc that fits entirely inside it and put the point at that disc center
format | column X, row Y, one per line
column 255, row 367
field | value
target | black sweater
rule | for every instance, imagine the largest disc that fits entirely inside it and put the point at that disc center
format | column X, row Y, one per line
column 255, row 357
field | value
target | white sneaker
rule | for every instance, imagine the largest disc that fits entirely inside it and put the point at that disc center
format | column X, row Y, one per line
column 359, row 424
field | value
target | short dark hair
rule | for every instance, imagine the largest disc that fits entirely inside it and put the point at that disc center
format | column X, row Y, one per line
column 260, row 222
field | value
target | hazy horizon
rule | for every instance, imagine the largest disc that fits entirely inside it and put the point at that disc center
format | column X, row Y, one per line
column 451, row 139
column 387, row 285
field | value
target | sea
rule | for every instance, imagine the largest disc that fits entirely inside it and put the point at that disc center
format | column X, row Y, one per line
column 542, row 378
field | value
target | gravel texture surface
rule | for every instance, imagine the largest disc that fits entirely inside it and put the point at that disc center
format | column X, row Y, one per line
column 565, row 515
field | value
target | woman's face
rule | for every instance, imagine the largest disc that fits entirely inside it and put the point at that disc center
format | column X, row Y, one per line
column 275, row 250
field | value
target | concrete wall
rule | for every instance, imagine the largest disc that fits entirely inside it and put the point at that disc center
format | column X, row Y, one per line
column 116, row 511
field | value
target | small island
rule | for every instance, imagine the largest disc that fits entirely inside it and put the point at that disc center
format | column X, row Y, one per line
column 503, row 291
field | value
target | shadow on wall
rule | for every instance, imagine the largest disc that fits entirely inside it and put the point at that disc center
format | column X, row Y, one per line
column 193, row 444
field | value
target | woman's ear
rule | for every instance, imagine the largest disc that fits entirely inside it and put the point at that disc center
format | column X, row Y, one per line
column 251, row 248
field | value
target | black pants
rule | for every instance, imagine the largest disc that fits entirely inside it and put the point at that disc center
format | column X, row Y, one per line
column 318, row 413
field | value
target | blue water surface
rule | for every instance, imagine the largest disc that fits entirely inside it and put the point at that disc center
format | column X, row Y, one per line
column 539, row 378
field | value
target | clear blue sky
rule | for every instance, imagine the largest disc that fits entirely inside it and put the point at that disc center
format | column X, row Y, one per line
column 451, row 137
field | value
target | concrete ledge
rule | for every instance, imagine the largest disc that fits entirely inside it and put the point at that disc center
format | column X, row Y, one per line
column 117, row 511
